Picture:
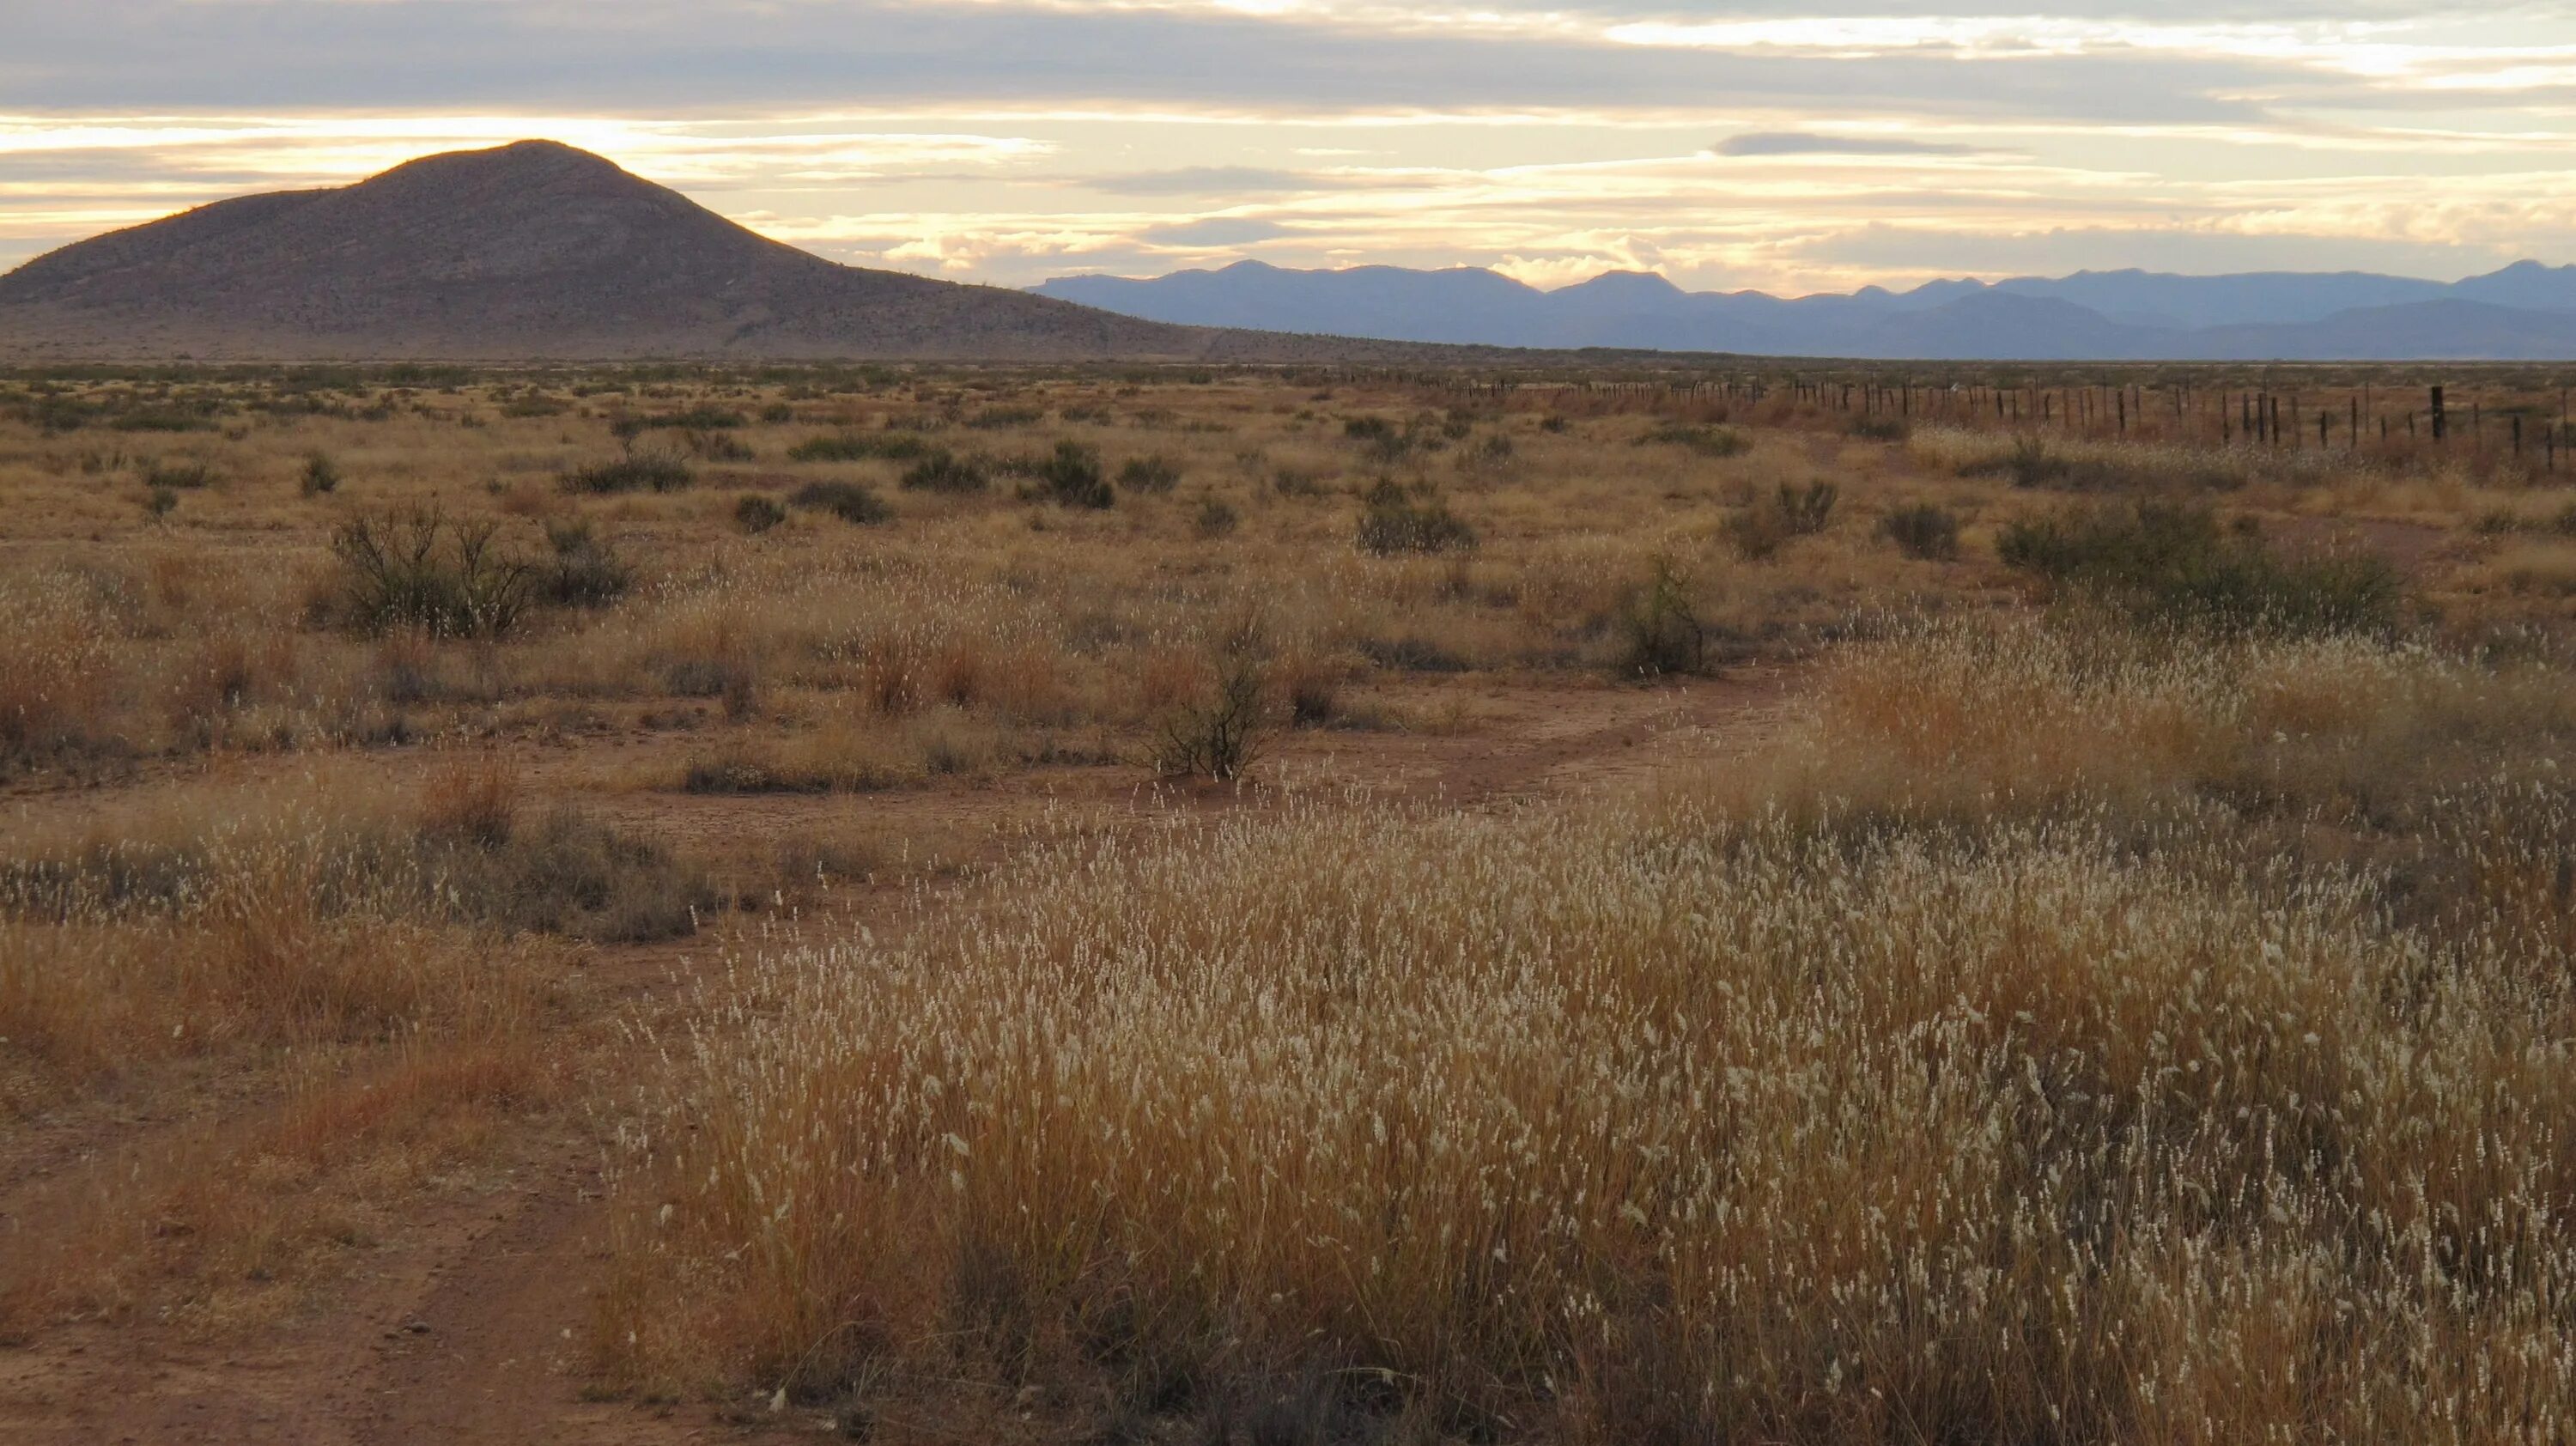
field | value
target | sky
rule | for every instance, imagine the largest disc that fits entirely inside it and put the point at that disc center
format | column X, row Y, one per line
column 1788, row 145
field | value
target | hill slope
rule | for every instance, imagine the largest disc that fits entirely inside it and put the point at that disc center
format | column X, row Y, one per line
column 525, row 251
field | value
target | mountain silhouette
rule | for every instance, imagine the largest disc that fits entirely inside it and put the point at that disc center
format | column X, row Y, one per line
column 529, row 250
column 2526, row 311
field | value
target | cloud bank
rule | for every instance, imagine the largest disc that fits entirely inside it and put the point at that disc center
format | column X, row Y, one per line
column 1758, row 143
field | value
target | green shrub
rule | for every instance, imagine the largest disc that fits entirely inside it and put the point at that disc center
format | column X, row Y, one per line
column 185, row 474
column 944, row 471
column 1073, row 477
column 1394, row 520
column 1154, row 473
column 1923, row 532
column 1661, row 631
column 581, row 570
column 321, row 475
column 854, row 446
column 756, row 514
column 1706, row 441
column 848, row 501
column 637, row 471
column 2174, row 565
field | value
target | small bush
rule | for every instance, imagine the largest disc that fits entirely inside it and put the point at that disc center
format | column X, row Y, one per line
column 581, row 570
column 1394, row 520
column 1882, row 429
column 2174, row 565
column 756, row 514
column 944, row 471
column 852, row 446
column 416, row 570
column 1073, row 477
column 159, row 502
column 1660, row 631
column 997, row 418
column 778, row 413
column 717, row 446
column 321, row 475
column 1149, row 474
column 1380, row 438
column 639, row 470
column 185, row 474
column 1216, row 735
column 1804, row 511
column 1706, row 441
column 1923, row 532
column 848, row 501
column 1217, row 517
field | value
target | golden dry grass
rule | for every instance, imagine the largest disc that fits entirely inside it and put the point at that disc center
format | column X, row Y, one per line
column 2057, row 1026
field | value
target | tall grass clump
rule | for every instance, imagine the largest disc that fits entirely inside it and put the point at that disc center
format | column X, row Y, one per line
column 1639, row 1126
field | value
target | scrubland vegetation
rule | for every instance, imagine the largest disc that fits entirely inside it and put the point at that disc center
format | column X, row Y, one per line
column 1281, row 908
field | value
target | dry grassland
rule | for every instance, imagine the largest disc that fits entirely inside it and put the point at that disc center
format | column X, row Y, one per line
column 1263, row 907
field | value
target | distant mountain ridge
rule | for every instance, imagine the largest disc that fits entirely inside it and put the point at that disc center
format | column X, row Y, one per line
column 2526, row 311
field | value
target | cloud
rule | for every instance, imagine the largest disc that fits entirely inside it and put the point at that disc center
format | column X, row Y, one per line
column 1805, row 143
column 666, row 58
column 1217, row 231
column 1210, row 181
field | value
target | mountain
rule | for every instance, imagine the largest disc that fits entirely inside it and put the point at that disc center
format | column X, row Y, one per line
column 2526, row 311
column 530, row 250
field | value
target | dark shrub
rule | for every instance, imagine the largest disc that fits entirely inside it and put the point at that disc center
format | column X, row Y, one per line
column 1411, row 654
column 944, row 471
column 1217, row 734
column 1379, row 437
column 185, row 474
column 848, row 501
column 756, row 514
column 640, row 470
column 1804, row 511
column 581, row 570
column 1394, row 520
column 1660, row 631
column 1706, row 441
column 1149, row 474
column 1217, row 517
column 321, row 474
column 1073, row 476
column 1923, row 532
column 2168, row 564
column 415, row 570
column 850, row 446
